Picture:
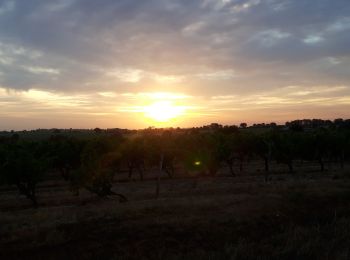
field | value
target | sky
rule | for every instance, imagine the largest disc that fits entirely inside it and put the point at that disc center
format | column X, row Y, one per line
column 119, row 63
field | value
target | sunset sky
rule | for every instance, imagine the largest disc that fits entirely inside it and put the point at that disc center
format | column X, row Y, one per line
column 139, row 63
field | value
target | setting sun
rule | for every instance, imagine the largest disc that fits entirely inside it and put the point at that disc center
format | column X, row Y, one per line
column 163, row 111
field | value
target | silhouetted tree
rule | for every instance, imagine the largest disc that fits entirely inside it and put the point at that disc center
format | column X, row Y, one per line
column 24, row 167
column 100, row 161
column 243, row 125
column 133, row 153
column 65, row 154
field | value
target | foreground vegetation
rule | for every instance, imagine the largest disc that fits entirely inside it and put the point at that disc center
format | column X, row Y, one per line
column 92, row 163
column 212, row 218
column 209, row 193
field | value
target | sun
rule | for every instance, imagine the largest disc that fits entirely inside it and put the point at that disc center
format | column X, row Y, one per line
column 163, row 111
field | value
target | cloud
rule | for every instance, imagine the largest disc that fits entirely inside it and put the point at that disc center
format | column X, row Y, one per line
column 313, row 39
column 86, row 41
column 203, row 48
column 6, row 7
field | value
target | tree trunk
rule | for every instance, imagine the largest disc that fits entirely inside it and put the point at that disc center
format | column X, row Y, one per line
column 230, row 165
column 321, row 164
column 170, row 171
column 158, row 176
column 267, row 165
column 34, row 201
column 130, row 170
column 65, row 173
column 28, row 190
column 241, row 164
column 141, row 173
column 266, row 160
column 342, row 159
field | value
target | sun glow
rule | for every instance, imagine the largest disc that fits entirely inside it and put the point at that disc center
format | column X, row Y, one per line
column 163, row 111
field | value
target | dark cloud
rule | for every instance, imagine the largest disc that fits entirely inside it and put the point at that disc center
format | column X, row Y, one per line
column 71, row 44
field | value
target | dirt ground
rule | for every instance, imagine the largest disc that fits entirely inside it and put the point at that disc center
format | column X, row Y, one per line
column 305, row 215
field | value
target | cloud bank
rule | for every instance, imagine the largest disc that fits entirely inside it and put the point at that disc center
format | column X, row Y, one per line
column 253, row 50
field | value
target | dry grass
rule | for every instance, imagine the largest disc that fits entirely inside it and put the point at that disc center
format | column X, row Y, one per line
column 291, row 217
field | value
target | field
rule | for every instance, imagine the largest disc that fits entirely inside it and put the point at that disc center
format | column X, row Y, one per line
column 305, row 215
